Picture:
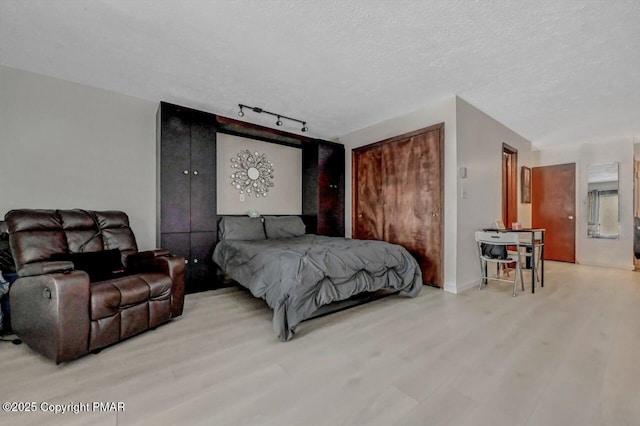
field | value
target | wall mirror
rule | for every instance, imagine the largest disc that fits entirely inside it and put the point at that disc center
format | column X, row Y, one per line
column 602, row 200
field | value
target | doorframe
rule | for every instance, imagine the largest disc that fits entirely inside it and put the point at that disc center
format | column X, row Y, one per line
column 509, row 185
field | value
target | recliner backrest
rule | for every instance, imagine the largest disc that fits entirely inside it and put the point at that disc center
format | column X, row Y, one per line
column 35, row 235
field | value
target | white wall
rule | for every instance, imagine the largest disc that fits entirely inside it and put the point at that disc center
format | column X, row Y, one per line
column 592, row 251
column 283, row 198
column 65, row 145
column 480, row 140
column 438, row 112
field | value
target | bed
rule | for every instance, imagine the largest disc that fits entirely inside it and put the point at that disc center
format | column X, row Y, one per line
column 297, row 273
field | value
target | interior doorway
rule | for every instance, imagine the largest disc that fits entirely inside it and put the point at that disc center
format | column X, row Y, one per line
column 509, row 185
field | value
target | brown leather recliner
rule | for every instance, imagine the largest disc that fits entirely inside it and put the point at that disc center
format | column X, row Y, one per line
column 57, row 311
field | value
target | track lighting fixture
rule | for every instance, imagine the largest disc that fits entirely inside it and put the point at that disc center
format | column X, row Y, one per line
column 279, row 116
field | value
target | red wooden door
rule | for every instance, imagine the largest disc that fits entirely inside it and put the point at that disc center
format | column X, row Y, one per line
column 553, row 207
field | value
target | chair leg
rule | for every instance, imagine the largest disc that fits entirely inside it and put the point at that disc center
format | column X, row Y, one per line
column 483, row 274
column 518, row 272
column 534, row 270
column 505, row 270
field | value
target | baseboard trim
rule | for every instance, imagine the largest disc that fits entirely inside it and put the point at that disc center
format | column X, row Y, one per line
column 459, row 288
column 608, row 265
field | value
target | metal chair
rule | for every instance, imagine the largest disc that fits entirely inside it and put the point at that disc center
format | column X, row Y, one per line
column 499, row 239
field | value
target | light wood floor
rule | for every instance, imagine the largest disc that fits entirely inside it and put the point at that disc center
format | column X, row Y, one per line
column 568, row 355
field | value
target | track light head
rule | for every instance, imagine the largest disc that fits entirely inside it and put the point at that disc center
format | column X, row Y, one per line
column 304, row 127
column 240, row 113
column 279, row 122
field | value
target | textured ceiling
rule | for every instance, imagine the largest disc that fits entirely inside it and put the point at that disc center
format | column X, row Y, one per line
column 553, row 71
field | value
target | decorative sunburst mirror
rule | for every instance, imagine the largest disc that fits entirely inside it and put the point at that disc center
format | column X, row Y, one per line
column 254, row 175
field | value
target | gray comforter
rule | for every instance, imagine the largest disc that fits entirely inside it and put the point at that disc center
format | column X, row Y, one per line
column 295, row 276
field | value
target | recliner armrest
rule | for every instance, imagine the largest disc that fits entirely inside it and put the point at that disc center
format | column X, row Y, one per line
column 43, row 268
column 147, row 254
column 138, row 259
column 50, row 313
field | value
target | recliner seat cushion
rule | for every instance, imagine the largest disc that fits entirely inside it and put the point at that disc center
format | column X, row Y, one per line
column 110, row 297
column 126, row 306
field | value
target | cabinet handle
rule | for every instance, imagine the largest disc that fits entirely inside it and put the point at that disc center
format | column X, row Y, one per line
column 186, row 172
column 186, row 261
column 195, row 172
column 195, row 260
column 359, row 215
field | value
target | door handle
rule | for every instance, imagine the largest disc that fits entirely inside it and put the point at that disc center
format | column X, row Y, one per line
column 570, row 217
column 359, row 215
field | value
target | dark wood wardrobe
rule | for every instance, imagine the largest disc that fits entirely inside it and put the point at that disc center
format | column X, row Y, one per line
column 323, row 188
column 187, row 222
column 186, row 190
column 399, row 196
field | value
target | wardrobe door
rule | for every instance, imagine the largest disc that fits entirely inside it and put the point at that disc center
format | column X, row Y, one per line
column 179, row 244
column 203, row 176
column 330, row 190
column 203, row 270
column 175, row 169
column 323, row 188
column 368, row 214
column 412, row 200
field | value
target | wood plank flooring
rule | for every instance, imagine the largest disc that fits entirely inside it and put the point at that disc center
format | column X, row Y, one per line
column 567, row 355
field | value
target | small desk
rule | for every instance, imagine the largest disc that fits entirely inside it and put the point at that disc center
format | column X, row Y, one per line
column 534, row 243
